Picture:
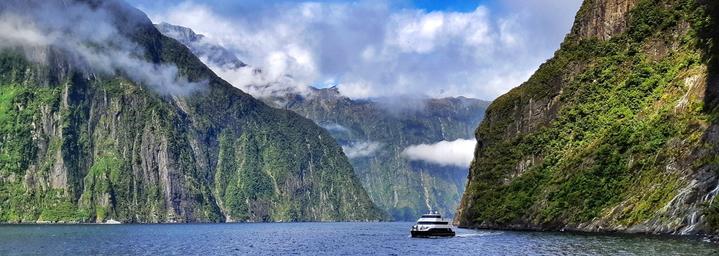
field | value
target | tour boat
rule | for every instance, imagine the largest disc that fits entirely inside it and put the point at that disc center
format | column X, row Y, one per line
column 432, row 225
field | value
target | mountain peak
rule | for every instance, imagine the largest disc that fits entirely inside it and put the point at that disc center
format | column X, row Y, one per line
column 216, row 55
column 179, row 32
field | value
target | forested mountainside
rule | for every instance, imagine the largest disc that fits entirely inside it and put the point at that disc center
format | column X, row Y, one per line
column 102, row 117
column 617, row 132
column 374, row 134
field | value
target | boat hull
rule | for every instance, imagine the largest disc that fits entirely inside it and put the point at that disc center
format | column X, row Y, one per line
column 433, row 232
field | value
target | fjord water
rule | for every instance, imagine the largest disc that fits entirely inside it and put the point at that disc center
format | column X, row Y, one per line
column 319, row 239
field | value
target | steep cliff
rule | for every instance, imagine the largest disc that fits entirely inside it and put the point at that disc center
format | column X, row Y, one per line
column 617, row 132
column 81, row 143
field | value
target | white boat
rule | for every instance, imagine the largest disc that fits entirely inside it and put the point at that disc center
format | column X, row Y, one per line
column 432, row 225
column 112, row 222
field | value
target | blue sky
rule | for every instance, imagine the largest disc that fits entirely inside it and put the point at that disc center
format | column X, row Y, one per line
column 450, row 5
column 231, row 5
column 373, row 48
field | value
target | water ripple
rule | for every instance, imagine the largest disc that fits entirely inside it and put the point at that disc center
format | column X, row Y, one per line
column 319, row 239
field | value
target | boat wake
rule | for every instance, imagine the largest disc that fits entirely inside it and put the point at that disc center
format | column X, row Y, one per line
column 478, row 234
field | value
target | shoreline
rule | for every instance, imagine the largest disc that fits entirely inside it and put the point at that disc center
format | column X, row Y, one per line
column 70, row 223
column 713, row 239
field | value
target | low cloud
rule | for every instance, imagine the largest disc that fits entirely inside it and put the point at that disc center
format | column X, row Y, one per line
column 372, row 49
column 334, row 127
column 361, row 149
column 456, row 153
column 258, row 83
column 89, row 37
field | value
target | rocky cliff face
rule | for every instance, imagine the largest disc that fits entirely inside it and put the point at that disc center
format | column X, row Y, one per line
column 374, row 133
column 602, row 19
column 80, row 144
column 616, row 133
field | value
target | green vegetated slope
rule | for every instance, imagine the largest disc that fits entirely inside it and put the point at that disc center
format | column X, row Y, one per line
column 84, row 147
column 617, row 132
column 404, row 188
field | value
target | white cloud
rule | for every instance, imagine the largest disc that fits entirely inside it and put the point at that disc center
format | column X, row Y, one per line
column 89, row 38
column 361, row 149
column 334, row 127
column 457, row 153
column 373, row 50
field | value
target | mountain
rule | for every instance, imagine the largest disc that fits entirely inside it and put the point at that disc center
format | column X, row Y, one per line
column 374, row 134
column 102, row 117
column 616, row 133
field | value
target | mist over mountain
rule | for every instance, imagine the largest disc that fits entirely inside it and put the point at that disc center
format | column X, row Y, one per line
column 210, row 53
column 384, row 48
column 394, row 143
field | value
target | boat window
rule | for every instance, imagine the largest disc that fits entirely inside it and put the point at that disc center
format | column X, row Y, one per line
column 432, row 223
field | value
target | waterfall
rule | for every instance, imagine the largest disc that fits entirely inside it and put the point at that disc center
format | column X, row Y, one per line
column 693, row 221
column 711, row 194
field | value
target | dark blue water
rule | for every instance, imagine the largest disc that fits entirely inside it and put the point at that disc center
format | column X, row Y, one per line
column 319, row 239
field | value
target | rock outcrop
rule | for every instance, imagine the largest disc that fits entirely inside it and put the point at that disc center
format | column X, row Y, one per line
column 603, row 19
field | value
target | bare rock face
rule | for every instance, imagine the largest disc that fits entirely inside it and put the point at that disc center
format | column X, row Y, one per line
column 616, row 133
column 602, row 19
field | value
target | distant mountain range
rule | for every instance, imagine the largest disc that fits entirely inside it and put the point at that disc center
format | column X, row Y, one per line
column 374, row 133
